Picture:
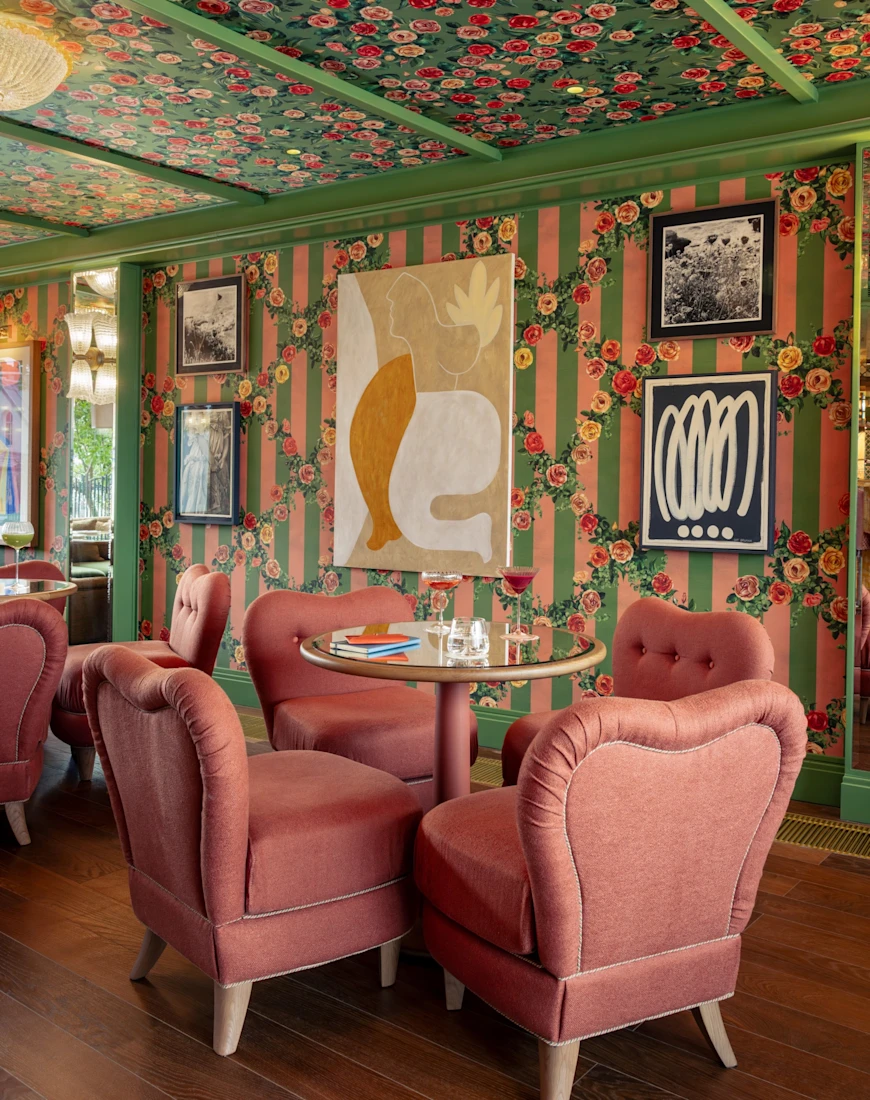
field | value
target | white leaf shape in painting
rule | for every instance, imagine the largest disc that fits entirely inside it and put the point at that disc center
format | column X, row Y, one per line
column 452, row 447
column 477, row 307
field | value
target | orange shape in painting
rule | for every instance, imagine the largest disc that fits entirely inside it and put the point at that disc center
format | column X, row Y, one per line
column 378, row 426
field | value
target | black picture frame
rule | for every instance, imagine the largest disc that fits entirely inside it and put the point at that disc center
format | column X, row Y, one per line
column 207, row 472
column 211, row 326
column 721, row 528
column 705, row 268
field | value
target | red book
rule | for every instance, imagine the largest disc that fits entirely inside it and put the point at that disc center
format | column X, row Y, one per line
column 376, row 639
column 390, row 657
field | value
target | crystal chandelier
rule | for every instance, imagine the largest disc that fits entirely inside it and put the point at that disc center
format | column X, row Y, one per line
column 106, row 334
column 81, row 327
column 31, row 67
column 103, row 282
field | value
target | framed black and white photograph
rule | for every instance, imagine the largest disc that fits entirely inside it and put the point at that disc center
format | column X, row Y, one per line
column 207, row 463
column 211, row 326
column 708, row 462
column 712, row 271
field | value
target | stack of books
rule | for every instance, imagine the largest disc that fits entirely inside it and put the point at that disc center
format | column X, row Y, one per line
column 376, row 647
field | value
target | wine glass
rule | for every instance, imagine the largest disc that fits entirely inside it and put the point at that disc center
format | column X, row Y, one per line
column 515, row 580
column 441, row 582
column 17, row 534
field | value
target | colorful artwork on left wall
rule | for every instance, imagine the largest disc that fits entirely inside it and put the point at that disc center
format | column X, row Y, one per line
column 423, row 456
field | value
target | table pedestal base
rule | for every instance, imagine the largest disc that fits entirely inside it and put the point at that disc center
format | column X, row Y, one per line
column 452, row 734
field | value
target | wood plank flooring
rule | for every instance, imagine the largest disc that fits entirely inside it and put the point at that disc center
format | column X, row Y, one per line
column 73, row 1027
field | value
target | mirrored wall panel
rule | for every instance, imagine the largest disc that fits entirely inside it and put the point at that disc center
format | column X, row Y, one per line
column 861, row 538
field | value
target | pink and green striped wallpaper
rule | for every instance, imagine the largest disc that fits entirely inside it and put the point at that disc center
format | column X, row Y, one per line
column 36, row 313
column 581, row 352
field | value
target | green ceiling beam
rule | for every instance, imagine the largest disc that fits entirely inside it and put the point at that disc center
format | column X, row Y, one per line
column 42, row 223
column 97, row 154
column 740, row 34
column 256, row 53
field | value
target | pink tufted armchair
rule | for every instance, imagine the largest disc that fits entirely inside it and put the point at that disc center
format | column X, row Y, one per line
column 305, row 707
column 35, row 570
column 248, row 868
column 612, row 884
column 32, row 650
column 664, row 652
column 199, row 615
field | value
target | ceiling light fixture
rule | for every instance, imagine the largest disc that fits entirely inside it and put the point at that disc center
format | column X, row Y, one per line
column 575, row 89
column 103, row 282
column 293, row 152
column 31, row 66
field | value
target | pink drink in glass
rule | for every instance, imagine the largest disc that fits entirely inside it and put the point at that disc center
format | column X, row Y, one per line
column 517, row 579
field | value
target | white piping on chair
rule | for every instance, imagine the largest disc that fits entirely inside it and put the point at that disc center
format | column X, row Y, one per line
column 315, row 904
column 26, row 626
column 665, row 752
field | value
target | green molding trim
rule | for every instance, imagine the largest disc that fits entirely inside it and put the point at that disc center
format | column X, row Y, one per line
column 257, row 53
column 855, row 798
column 820, row 780
column 740, row 34
column 492, row 724
column 43, row 223
column 97, row 154
column 125, row 580
column 237, row 685
column 772, row 135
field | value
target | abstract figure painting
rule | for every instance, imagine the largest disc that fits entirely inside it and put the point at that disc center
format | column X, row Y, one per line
column 207, row 463
column 707, row 476
column 423, row 418
column 19, row 433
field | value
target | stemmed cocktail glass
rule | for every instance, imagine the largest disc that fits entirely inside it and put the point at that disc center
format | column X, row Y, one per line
column 516, row 579
column 441, row 582
column 17, row 534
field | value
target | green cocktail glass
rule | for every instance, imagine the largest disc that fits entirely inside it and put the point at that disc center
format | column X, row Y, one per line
column 17, row 534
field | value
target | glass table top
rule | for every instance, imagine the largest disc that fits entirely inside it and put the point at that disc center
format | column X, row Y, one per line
column 31, row 589
column 555, row 653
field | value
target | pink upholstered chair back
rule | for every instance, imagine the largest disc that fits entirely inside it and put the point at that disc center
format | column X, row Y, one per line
column 199, row 616
column 277, row 622
column 33, row 645
column 864, row 628
column 663, row 652
column 173, row 754
column 645, row 825
column 33, row 570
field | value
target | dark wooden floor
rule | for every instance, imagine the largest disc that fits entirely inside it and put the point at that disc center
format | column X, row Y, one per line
column 72, row 1027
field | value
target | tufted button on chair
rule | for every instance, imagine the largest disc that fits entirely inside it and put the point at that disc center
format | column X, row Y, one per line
column 199, row 616
column 663, row 652
column 34, row 570
column 612, row 884
column 249, row 868
column 305, row 707
column 33, row 646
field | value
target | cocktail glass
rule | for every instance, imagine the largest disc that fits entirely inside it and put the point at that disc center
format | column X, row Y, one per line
column 17, row 534
column 516, row 579
column 441, row 582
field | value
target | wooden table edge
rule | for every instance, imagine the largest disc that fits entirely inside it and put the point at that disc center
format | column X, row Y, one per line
column 435, row 674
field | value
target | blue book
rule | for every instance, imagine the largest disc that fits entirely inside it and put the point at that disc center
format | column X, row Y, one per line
column 375, row 649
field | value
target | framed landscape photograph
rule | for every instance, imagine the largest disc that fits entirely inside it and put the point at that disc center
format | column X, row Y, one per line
column 19, row 433
column 712, row 271
column 708, row 462
column 207, row 463
column 211, row 326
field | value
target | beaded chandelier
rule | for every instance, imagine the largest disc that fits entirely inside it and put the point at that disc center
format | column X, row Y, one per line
column 31, row 67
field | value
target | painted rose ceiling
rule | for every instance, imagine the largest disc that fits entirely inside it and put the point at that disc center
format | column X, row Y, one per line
column 496, row 70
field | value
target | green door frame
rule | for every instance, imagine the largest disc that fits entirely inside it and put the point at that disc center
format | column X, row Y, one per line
column 125, row 598
column 855, row 788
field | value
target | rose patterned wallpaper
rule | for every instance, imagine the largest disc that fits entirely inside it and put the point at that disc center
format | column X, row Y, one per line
column 580, row 356
column 36, row 313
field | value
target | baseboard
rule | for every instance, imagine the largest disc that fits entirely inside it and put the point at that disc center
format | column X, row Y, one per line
column 820, row 779
column 855, row 797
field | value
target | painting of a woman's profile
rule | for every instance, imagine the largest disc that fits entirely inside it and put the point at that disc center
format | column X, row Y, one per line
column 423, row 417
column 207, row 463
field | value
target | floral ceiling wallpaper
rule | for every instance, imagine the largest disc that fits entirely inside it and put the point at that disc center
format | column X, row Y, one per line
column 49, row 185
column 491, row 70
column 581, row 354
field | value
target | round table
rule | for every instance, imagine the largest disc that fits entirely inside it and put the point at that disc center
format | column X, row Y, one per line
column 34, row 590
column 555, row 653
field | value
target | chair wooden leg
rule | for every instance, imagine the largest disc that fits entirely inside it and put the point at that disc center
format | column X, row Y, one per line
column 84, row 758
column 557, row 1066
column 454, row 991
column 390, row 962
column 230, row 1008
column 15, row 814
column 709, row 1019
column 150, row 951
